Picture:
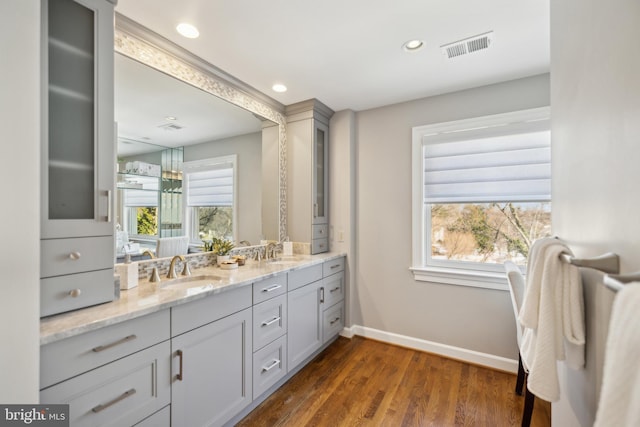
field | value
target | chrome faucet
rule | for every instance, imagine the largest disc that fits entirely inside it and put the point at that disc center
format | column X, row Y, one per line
column 172, row 267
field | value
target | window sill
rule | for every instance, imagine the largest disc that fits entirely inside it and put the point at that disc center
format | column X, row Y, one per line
column 460, row 277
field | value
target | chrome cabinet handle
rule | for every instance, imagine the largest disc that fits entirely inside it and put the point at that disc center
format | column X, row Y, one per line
column 337, row 288
column 75, row 293
column 334, row 266
column 179, row 376
column 271, row 322
column 75, row 255
column 109, row 202
column 271, row 288
column 114, row 401
column 322, row 294
column 334, row 321
column 275, row 363
column 115, row 343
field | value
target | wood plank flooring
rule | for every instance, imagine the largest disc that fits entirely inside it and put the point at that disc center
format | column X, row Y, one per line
column 361, row 382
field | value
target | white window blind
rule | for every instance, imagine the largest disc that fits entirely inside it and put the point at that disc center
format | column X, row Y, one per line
column 476, row 168
column 210, row 187
column 146, row 196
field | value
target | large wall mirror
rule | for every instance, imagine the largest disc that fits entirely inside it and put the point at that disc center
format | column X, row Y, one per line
column 197, row 156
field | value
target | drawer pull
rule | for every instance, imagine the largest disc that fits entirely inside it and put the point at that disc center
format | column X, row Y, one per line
column 322, row 294
column 75, row 293
column 334, row 320
column 275, row 363
column 179, row 376
column 123, row 396
column 271, row 288
column 75, row 255
column 271, row 322
column 334, row 266
column 115, row 343
column 337, row 288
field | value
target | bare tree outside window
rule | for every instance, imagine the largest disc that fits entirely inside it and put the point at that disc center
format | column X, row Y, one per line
column 488, row 232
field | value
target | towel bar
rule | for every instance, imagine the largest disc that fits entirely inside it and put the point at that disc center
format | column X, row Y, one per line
column 607, row 263
column 616, row 282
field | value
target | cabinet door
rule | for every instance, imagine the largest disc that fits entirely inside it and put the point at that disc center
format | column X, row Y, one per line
column 304, row 329
column 212, row 366
column 78, row 158
column 320, row 173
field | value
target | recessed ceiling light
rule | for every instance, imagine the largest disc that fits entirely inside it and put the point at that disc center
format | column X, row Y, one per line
column 188, row 30
column 171, row 118
column 413, row 45
column 279, row 87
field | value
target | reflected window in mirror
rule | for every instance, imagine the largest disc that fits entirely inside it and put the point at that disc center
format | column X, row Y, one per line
column 210, row 190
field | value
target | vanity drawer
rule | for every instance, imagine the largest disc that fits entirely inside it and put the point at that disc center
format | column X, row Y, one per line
column 319, row 245
column 269, row 365
column 66, row 293
column 319, row 231
column 332, row 321
column 68, row 256
column 332, row 267
column 269, row 288
column 333, row 289
column 269, row 321
column 304, row 276
column 72, row 356
column 194, row 314
column 121, row 393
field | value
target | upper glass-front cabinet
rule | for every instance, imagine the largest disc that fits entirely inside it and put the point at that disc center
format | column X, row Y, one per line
column 320, row 178
column 78, row 137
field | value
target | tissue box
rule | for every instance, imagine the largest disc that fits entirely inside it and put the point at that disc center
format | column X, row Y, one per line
column 128, row 275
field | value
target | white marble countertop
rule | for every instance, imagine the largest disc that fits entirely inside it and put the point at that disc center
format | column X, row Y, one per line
column 150, row 297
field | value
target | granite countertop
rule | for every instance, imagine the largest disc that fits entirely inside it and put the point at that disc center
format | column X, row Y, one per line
column 150, row 297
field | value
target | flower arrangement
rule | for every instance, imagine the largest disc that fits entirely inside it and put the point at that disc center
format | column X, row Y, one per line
column 218, row 246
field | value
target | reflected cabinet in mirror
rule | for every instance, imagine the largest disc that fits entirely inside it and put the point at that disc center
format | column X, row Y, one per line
column 197, row 157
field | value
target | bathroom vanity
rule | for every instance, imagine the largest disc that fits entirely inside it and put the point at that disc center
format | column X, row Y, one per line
column 193, row 351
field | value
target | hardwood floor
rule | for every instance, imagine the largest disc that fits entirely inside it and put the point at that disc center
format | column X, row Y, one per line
column 361, row 382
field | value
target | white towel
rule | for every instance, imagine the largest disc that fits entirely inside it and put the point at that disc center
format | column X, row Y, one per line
column 170, row 246
column 552, row 314
column 620, row 394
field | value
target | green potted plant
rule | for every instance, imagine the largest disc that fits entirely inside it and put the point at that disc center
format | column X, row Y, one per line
column 220, row 247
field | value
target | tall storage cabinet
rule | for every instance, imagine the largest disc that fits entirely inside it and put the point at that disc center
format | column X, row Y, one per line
column 308, row 177
column 78, row 158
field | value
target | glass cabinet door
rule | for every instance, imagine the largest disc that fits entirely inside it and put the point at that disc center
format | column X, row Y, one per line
column 320, row 178
column 78, row 162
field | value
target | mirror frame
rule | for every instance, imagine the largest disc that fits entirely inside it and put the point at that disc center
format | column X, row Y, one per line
column 143, row 45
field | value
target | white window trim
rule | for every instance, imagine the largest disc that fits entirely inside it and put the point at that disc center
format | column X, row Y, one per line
column 188, row 213
column 464, row 274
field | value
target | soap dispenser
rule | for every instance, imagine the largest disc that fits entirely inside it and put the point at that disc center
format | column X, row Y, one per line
column 128, row 273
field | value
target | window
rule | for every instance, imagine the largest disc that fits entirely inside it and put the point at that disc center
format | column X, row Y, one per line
column 210, row 192
column 141, row 205
column 482, row 195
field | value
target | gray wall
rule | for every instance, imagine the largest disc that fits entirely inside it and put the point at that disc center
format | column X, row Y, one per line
column 249, row 150
column 20, row 217
column 385, row 296
column 595, row 99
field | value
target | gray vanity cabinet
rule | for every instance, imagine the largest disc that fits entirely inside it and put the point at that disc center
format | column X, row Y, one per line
column 77, row 156
column 308, row 174
column 115, row 376
column 212, row 364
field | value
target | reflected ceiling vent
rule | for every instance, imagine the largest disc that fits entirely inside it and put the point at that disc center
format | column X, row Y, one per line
column 468, row 45
column 171, row 126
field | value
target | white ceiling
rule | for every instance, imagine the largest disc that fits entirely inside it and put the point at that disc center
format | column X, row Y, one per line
column 348, row 53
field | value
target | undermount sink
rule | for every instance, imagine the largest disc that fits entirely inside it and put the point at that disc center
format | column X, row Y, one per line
column 195, row 278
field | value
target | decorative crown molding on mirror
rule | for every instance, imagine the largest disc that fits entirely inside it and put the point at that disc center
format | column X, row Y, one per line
column 145, row 46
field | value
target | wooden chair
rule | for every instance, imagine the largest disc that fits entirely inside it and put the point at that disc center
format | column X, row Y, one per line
column 516, row 289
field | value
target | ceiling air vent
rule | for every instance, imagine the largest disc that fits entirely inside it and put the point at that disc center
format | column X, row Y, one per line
column 170, row 126
column 468, row 45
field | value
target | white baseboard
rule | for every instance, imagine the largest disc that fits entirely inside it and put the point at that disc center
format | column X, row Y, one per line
column 458, row 353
